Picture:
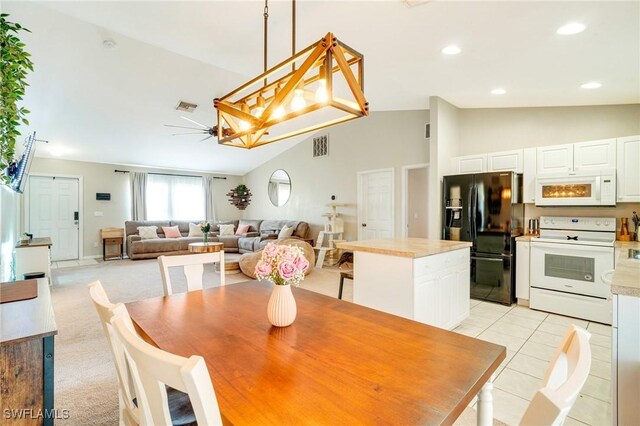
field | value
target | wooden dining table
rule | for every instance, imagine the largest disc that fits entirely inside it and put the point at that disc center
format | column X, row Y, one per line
column 338, row 363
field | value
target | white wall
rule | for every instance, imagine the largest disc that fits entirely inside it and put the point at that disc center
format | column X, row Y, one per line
column 382, row 140
column 500, row 129
column 10, row 229
column 417, row 202
column 99, row 177
column 444, row 144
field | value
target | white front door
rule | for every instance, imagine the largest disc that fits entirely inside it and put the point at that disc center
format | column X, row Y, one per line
column 375, row 204
column 53, row 212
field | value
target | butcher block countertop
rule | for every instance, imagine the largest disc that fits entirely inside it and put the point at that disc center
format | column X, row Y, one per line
column 404, row 247
column 626, row 278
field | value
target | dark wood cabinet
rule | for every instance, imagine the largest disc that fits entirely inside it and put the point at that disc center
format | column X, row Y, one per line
column 27, row 330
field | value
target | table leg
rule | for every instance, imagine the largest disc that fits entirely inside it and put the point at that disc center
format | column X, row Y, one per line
column 485, row 404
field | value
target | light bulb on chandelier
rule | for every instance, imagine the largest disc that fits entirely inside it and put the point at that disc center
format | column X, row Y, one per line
column 321, row 92
column 259, row 109
column 298, row 102
column 244, row 125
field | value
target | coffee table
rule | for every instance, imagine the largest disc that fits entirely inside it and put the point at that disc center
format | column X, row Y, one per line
column 205, row 247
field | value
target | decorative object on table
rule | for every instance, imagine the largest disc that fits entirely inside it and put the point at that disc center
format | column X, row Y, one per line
column 24, row 239
column 624, row 230
column 205, row 227
column 240, row 196
column 15, row 66
column 248, row 261
column 262, row 111
column 282, row 265
column 636, row 224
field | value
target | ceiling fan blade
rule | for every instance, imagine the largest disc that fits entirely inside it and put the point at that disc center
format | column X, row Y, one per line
column 208, row 137
column 181, row 127
column 187, row 133
column 195, row 122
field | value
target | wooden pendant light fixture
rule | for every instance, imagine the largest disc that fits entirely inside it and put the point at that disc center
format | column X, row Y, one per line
column 324, row 87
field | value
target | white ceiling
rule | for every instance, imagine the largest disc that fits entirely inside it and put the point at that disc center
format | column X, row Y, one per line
column 109, row 105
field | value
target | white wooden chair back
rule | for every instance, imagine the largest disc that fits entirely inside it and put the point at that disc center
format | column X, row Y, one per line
column 106, row 310
column 565, row 377
column 153, row 369
column 193, row 266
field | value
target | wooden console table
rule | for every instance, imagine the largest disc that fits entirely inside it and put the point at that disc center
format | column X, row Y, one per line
column 27, row 328
column 112, row 237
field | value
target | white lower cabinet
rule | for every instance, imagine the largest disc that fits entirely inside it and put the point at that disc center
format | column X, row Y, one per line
column 625, row 347
column 434, row 290
column 523, row 256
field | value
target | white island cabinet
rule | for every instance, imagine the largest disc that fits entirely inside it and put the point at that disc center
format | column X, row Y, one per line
column 423, row 280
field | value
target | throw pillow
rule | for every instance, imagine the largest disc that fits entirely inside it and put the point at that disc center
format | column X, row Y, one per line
column 242, row 229
column 171, row 232
column 226, row 229
column 148, row 232
column 194, row 230
column 285, row 232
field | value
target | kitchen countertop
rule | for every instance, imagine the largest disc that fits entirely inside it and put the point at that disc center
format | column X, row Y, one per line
column 626, row 278
column 526, row 237
column 404, row 247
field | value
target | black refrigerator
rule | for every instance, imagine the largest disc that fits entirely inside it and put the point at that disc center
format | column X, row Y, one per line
column 486, row 209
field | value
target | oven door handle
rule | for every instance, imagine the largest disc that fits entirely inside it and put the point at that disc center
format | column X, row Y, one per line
column 490, row 259
column 561, row 248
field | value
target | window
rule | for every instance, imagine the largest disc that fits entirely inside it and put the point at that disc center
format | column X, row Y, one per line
column 174, row 197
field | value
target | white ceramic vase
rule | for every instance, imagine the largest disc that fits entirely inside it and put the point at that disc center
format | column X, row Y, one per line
column 282, row 309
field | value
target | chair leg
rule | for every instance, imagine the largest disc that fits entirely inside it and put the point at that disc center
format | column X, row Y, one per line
column 341, row 285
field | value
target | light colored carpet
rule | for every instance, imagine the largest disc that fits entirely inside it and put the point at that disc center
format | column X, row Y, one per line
column 85, row 378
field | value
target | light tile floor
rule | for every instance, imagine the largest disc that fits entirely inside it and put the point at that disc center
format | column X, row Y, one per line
column 531, row 338
column 73, row 263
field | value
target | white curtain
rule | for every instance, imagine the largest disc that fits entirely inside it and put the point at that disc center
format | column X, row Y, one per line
column 138, row 181
column 209, row 195
column 175, row 197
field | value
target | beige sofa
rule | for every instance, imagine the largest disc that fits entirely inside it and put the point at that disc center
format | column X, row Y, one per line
column 258, row 235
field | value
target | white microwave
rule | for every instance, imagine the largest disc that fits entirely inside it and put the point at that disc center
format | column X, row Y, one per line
column 577, row 189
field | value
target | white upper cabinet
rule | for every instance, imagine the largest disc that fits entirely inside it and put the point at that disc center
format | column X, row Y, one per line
column 529, row 176
column 554, row 159
column 628, row 169
column 505, row 161
column 594, row 155
column 577, row 157
column 470, row 164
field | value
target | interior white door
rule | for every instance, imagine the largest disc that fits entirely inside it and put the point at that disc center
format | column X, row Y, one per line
column 375, row 209
column 53, row 212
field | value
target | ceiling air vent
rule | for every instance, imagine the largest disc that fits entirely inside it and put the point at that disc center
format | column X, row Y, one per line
column 186, row 106
column 321, row 146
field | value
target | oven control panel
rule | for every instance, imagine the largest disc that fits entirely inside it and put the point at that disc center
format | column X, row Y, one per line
column 578, row 223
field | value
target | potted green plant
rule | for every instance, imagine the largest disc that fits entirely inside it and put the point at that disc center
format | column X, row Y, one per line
column 242, row 189
column 14, row 67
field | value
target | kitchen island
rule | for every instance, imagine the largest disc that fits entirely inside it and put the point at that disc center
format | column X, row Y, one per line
column 420, row 279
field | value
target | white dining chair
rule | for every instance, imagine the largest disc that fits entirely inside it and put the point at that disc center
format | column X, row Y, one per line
column 565, row 377
column 128, row 411
column 193, row 266
column 153, row 370
column 180, row 406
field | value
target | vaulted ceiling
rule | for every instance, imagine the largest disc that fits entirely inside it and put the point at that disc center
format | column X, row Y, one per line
column 109, row 105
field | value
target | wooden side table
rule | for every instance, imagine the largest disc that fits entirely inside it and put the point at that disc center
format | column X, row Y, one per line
column 112, row 237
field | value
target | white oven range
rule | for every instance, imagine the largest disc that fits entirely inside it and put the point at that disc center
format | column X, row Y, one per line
column 568, row 261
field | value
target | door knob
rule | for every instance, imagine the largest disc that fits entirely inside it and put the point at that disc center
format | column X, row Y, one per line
column 364, row 225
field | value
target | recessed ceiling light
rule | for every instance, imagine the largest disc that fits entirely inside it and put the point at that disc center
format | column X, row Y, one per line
column 591, row 85
column 498, row 92
column 451, row 50
column 108, row 44
column 571, row 28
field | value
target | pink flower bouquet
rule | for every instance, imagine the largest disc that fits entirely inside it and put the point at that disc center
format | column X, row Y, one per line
column 282, row 265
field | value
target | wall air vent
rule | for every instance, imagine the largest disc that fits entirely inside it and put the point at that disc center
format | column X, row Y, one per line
column 427, row 131
column 321, row 146
column 186, row 106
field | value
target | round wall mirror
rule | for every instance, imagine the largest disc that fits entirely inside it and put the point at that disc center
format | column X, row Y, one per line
column 279, row 188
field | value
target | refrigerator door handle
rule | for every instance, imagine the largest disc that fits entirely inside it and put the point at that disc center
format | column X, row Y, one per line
column 470, row 208
column 474, row 209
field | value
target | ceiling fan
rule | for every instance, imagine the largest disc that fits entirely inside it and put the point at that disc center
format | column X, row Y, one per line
column 200, row 130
